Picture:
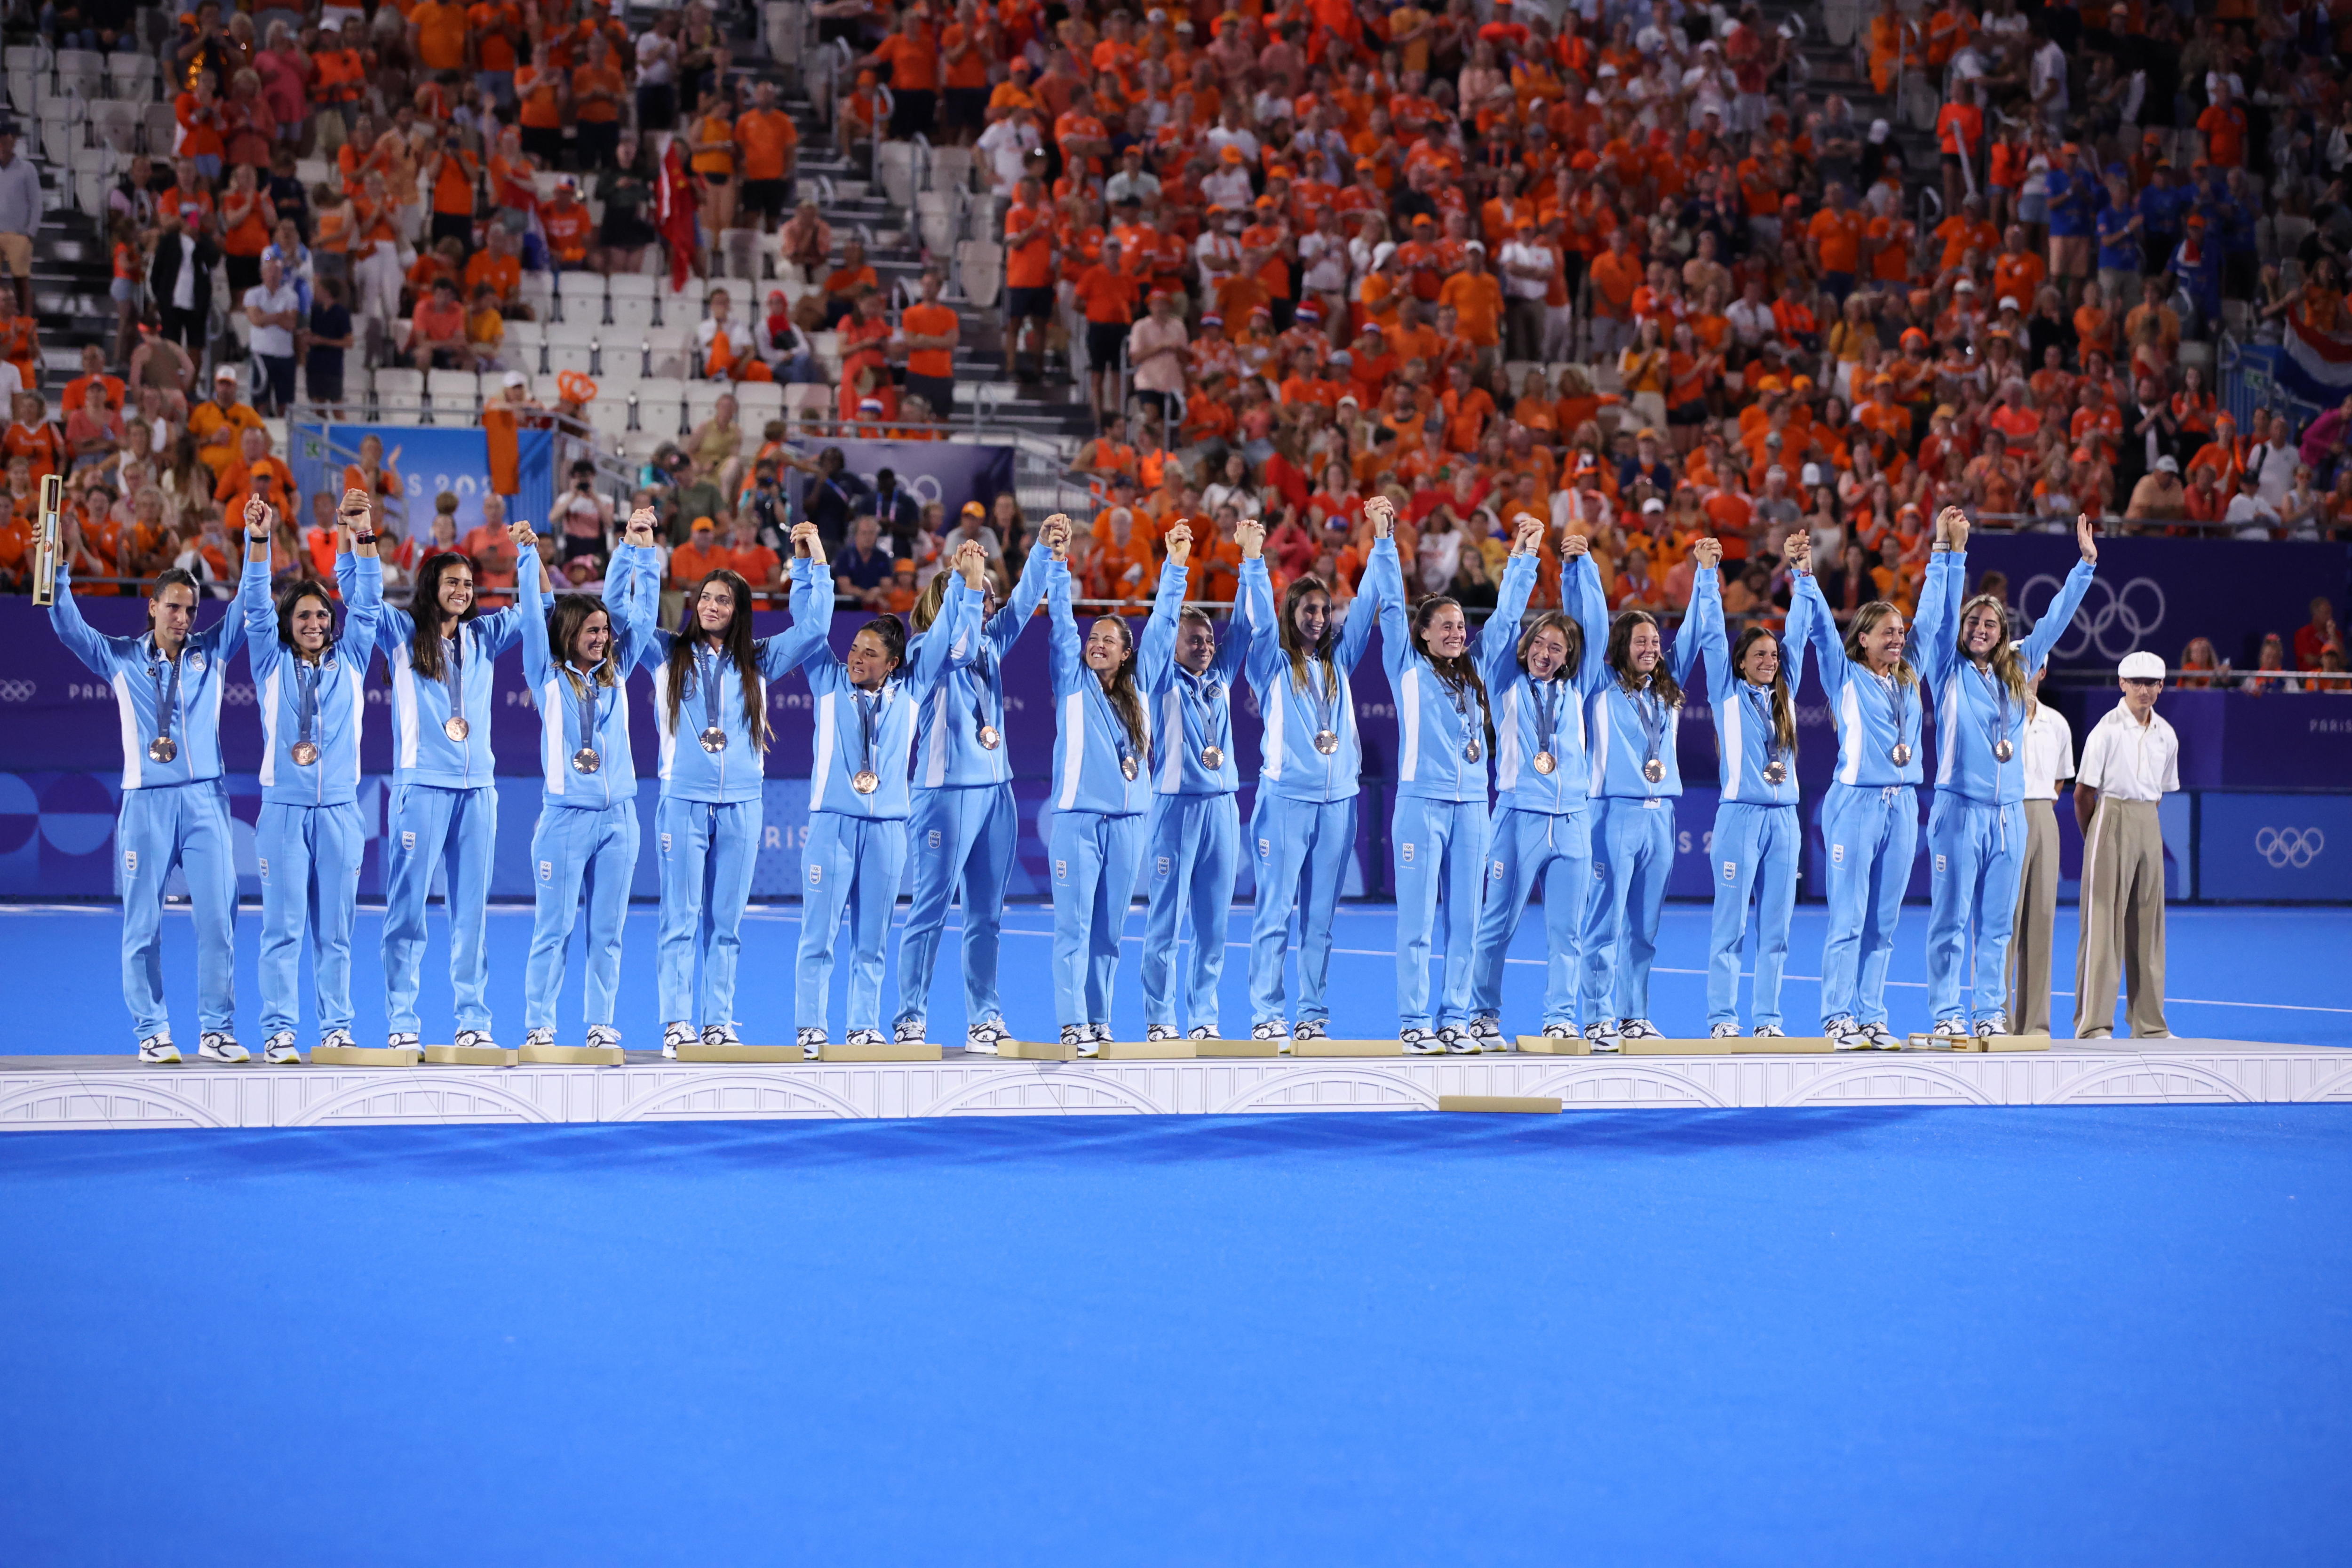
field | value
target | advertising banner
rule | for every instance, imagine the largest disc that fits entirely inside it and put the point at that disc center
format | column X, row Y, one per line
column 429, row 460
column 2293, row 847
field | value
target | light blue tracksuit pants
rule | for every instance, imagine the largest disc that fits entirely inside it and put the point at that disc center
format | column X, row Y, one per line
column 1632, row 855
column 185, row 826
column 964, row 841
column 309, row 879
column 1193, row 843
column 1302, row 848
column 707, row 848
column 1440, row 863
column 573, row 845
column 1528, row 848
column 1869, row 834
column 851, row 863
column 457, row 829
column 1755, row 849
column 1978, row 852
column 1094, row 860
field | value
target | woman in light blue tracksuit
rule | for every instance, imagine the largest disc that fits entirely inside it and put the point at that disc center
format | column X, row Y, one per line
column 1103, row 738
column 1303, row 825
column 1757, row 836
column 1439, row 674
column 577, row 661
column 1636, row 779
column 1870, row 818
column 311, row 684
column 1542, row 832
column 962, row 828
column 1195, row 837
column 856, row 853
column 167, row 683
column 444, row 794
column 1976, row 825
column 711, row 715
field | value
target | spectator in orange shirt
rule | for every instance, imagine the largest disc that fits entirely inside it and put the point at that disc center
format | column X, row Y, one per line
column 911, row 55
column 700, row 555
column 1833, row 239
column 752, row 561
column 1477, row 301
column 1616, row 273
column 492, row 550
column 1106, row 293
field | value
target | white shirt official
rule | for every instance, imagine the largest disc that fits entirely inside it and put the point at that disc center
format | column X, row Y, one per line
column 2126, row 759
column 2049, row 754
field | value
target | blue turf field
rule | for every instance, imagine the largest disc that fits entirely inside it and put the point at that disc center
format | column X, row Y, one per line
column 2282, row 974
column 1954, row 1336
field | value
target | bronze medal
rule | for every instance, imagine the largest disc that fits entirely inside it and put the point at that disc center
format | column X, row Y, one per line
column 866, row 781
column 586, row 761
column 304, row 752
column 1654, row 771
column 1472, row 752
column 456, row 728
column 1213, row 758
column 1545, row 762
column 162, row 748
column 988, row 739
column 714, row 739
column 2002, row 750
column 1126, row 765
column 1901, row 754
column 1776, row 773
column 1327, row 740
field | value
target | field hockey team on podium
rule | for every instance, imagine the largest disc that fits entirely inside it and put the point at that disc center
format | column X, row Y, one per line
column 1567, row 722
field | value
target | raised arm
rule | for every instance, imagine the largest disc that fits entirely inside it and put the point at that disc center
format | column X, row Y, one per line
column 1703, row 629
column 933, row 655
column 1499, row 640
column 1798, row 627
column 1064, row 658
column 2061, row 612
column 538, row 661
column 1155, row 654
column 1004, row 627
column 812, row 599
column 1829, row 651
column 1234, row 649
column 1591, row 608
column 1263, row 658
column 254, row 601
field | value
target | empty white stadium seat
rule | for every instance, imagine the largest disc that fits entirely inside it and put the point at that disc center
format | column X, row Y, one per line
column 453, row 394
column 666, row 351
column 399, row 393
column 631, row 313
column 583, row 296
column 561, row 359
column 760, row 402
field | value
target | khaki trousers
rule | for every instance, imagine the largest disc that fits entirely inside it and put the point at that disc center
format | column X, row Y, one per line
column 2122, row 920
column 2037, row 919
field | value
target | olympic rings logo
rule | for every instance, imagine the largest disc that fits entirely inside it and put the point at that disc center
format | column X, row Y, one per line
column 17, row 690
column 239, row 696
column 2285, row 846
column 2116, row 621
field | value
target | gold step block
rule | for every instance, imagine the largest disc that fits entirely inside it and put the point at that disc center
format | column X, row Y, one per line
column 1037, row 1051
column 1145, row 1050
column 1236, row 1047
column 699, row 1052
column 572, row 1056
column 1553, row 1046
column 364, row 1056
column 887, row 1051
column 1347, row 1049
column 1977, row 1043
column 470, row 1056
column 1736, row 1046
column 1527, row 1103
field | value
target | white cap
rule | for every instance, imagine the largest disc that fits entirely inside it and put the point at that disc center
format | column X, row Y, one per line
column 517, row 378
column 2169, row 463
column 2009, row 303
column 1879, row 132
column 1813, row 475
column 1654, row 504
column 2141, row 665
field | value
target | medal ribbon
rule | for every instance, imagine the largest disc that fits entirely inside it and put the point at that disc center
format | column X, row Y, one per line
column 588, row 710
column 986, row 703
column 707, row 675
column 167, row 704
column 456, row 676
column 1761, row 699
column 1999, row 730
column 867, row 709
column 1547, row 696
column 1326, row 704
column 306, row 697
column 1651, row 713
column 1899, row 700
column 1125, row 741
column 1201, row 698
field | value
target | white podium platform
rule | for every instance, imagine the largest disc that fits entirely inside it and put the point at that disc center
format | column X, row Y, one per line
column 66, row 1093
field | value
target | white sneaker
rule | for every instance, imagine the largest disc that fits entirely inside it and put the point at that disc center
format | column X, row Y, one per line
column 985, row 1038
column 1456, row 1040
column 339, row 1039
column 1101, row 1032
column 1953, row 1024
column 909, row 1032
column 1158, row 1032
column 401, row 1042
column 1639, row 1029
column 603, row 1036
column 1724, row 1032
column 866, row 1036
column 1882, row 1038
column 1273, row 1029
column 1602, row 1033
column 1081, row 1035
column 158, row 1051
column 1311, row 1029
column 220, row 1045
column 279, row 1050
column 1486, row 1032
column 721, row 1034
column 1990, row 1025
column 1203, row 1032
column 810, row 1041
column 1422, row 1043
column 2096, row 1035
column 1846, row 1035
column 541, row 1037
column 479, row 1040
column 675, row 1035
column 1768, row 1032
column 1559, row 1031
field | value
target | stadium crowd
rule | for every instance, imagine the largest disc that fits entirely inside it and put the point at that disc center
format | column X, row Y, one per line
column 1632, row 268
